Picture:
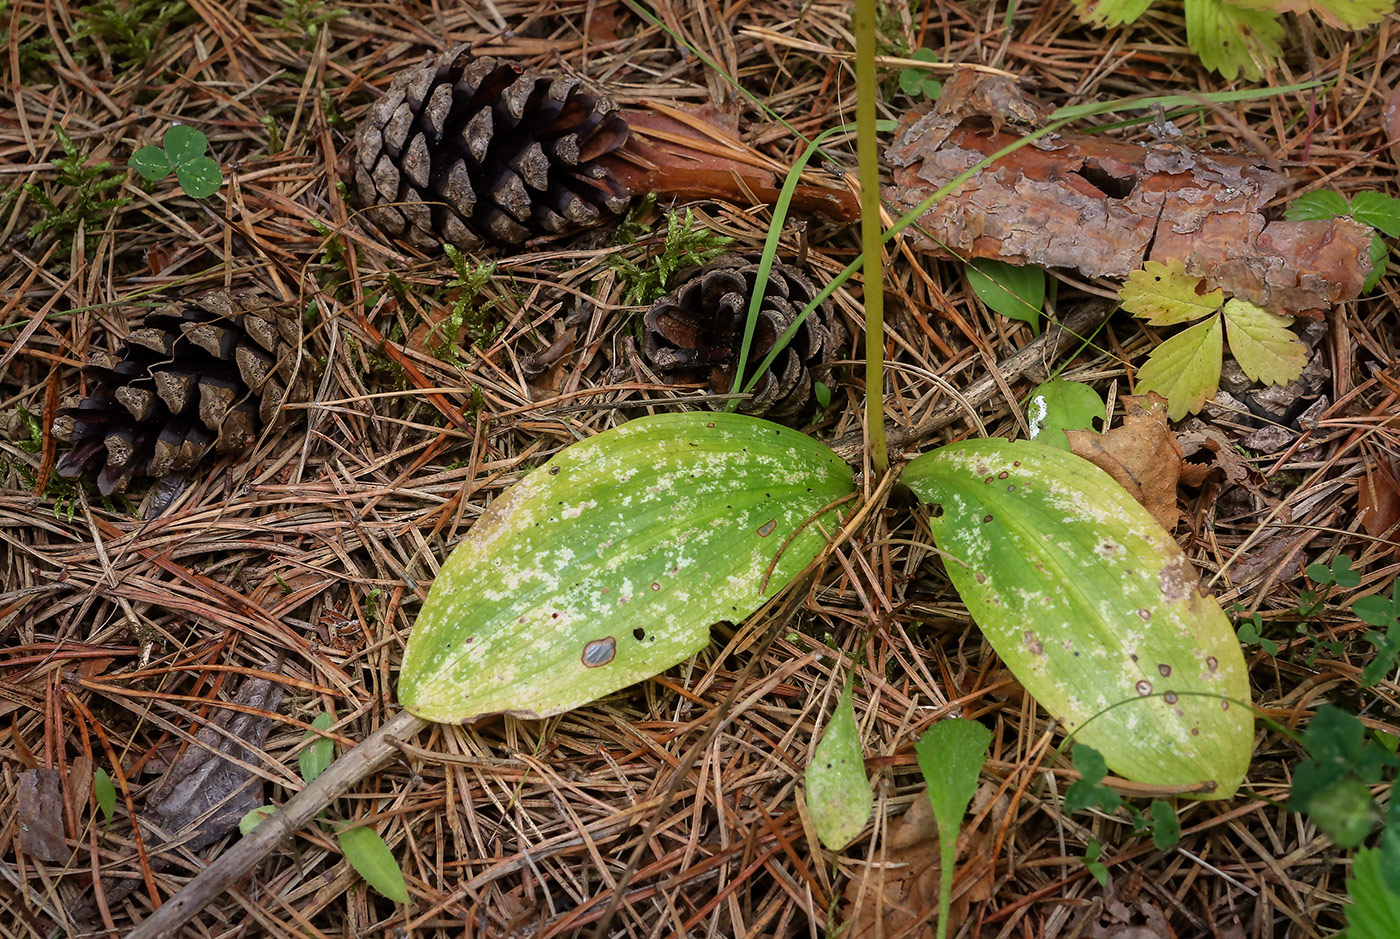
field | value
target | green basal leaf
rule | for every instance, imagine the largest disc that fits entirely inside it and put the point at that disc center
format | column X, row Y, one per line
column 1017, row 293
column 838, row 791
column 609, row 564
column 183, row 144
column 105, row 792
column 950, row 757
column 1317, row 205
column 200, row 178
column 373, row 861
column 320, row 752
column 151, row 163
column 1378, row 210
column 1232, row 40
column 1060, row 405
column 1094, row 608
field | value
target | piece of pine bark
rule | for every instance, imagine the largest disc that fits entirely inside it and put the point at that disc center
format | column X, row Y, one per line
column 1104, row 207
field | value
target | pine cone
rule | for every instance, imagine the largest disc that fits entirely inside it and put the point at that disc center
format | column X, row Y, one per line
column 475, row 149
column 199, row 374
column 693, row 334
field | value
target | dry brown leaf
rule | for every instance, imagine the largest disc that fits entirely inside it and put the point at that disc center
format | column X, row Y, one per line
column 1105, row 207
column 39, row 814
column 1141, row 454
column 1391, row 119
column 1208, row 451
column 1378, row 500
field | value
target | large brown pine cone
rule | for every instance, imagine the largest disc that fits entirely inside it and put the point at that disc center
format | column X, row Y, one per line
column 200, row 374
column 693, row 334
column 475, row 149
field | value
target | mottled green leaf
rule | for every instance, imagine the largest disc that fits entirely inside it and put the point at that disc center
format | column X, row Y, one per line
column 1185, row 369
column 200, row 177
column 373, row 861
column 1232, row 40
column 151, row 163
column 1263, row 345
column 609, row 564
column 1060, row 405
column 105, row 792
column 838, row 791
column 1317, row 205
column 184, row 143
column 1015, row 292
column 320, row 751
column 1094, row 608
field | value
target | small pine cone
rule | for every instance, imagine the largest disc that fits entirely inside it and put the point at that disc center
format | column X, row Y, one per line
column 693, row 334
column 475, row 149
column 200, row 374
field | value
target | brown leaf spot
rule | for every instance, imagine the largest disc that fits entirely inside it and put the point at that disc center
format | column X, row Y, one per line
column 1177, row 579
column 767, row 527
column 1170, row 697
column 1032, row 644
column 1144, row 687
column 1145, row 614
column 599, row 652
column 1164, row 669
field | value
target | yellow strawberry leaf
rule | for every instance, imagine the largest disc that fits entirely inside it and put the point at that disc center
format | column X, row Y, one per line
column 1165, row 295
column 1110, row 12
column 1185, row 369
column 1231, row 39
column 1262, row 343
column 1345, row 14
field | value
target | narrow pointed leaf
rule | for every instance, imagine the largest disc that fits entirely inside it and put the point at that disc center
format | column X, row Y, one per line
column 1094, row 609
column 373, row 861
column 105, row 791
column 838, row 791
column 1185, row 369
column 609, row 564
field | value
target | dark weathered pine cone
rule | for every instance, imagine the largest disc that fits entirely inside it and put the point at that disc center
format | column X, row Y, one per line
column 199, row 375
column 472, row 149
column 693, row 334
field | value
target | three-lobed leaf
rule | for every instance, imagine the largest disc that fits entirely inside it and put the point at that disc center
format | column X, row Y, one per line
column 1185, row 369
column 1094, row 608
column 1165, row 295
column 838, row 791
column 609, row 564
column 183, row 144
column 1017, row 293
column 1059, row 405
column 372, row 860
column 1263, row 345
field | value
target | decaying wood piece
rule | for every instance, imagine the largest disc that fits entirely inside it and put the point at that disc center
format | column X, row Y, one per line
column 685, row 157
column 1104, row 207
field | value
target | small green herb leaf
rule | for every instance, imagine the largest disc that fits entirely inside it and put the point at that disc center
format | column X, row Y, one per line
column 1374, row 911
column 1378, row 610
column 200, row 177
column 151, row 163
column 372, row 859
column 1317, row 205
column 1333, row 786
column 1088, row 791
column 838, row 791
column 1185, row 369
column 320, row 751
column 105, row 792
column 1232, row 40
column 254, row 817
column 1060, row 405
column 183, row 144
column 950, row 756
column 1110, row 12
column 822, row 392
column 1092, row 862
column 1017, row 293
column 1166, row 827
column 1263, row 345
column 1378, row 210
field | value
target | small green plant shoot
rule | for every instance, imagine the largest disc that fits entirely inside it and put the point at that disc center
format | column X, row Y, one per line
column 917, row 82
column 950, row 757
column 181, row 153
column 838, row 791
column 1185, row 369
column 1376, row 209
column 105, row 792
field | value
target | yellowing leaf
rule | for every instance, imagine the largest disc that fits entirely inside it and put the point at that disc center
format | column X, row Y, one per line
column 1231, row 40
column 1094, row 608
column 609, row 564
column 1185, row 369
column 1262, row 343
column 1346, row 14
column 1165, row 295
column 1110, row 12
column 838, row 791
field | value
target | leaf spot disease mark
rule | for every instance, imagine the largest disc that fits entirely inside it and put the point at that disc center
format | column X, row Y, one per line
column 1164, row 669
column 639, row 634
column 599, row 652
column 1145, row 614
column 1170, row 697
column 767, row 528
column 1212, row 663
column 655, row 585
column 554, row 471
column 1144, row 687
column 1033, row 645
column 1176, row 579
column 1224, row 705
column 986, row 519
column 1003, row 474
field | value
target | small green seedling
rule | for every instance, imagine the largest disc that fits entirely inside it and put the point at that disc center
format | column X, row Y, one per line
column 181, row 153
column 918, row 82
column 950, row 757
column 106, row 794
column 1088, row 791
column 1333, row 786
column 1015, row 292
column 363, row 848
column 1383, row 613
column 1375, row 209
column 838, row 791
column 1092, row 851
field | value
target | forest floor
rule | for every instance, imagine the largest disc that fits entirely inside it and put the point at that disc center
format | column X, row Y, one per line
column 304, row 559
